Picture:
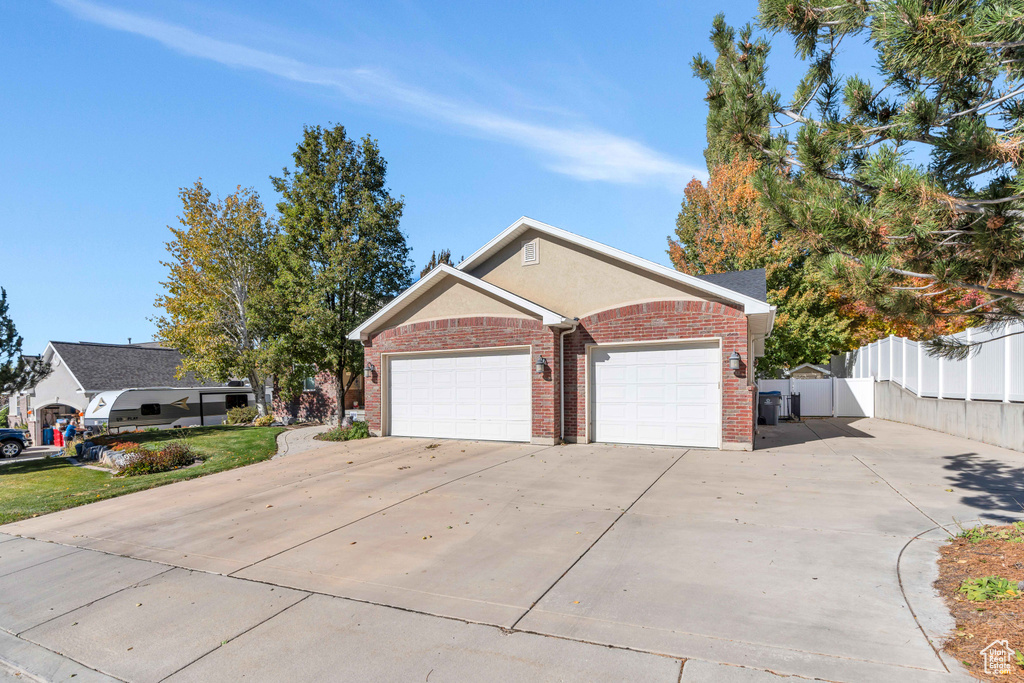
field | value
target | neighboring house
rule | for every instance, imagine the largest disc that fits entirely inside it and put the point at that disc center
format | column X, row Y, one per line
column 318, row 400
column 544, row 335
column 808, row 371
column 80, row 370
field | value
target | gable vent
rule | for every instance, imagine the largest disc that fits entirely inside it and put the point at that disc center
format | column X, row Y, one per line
column 530, row 255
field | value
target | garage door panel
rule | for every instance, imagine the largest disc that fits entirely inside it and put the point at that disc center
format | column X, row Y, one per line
column 663, row 395
column 650, row 374
column 472, row 396
column 695, row 393
column 653, row 412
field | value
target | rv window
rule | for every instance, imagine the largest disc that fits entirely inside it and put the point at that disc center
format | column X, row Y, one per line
column 150, row 409
column 235, row 401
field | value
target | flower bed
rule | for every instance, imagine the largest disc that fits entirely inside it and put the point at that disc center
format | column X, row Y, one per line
column 141, row 460
column 358, row 430
column 980, row 572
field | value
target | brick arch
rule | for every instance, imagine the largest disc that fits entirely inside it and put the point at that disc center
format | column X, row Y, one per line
column 474, row 332
column 657, row 321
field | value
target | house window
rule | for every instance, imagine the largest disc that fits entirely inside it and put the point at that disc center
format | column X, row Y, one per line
column 235, row 401
column 309, row 384
column 149, row 409
column 531, row 254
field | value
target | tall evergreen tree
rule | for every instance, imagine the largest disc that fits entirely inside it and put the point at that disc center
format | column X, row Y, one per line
column 341, row 255
column 910, row 188
column 17, row 372
column 437, row 258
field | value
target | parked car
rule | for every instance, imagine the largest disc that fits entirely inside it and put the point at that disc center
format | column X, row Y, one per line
column 12, row 442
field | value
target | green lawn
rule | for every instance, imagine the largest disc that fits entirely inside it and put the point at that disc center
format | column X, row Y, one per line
column 36, row 487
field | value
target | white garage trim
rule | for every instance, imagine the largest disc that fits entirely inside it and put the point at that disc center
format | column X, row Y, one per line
column 589, row 383
column 388, row 356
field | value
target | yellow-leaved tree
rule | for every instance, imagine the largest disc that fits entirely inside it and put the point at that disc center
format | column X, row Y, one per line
column 220, row 267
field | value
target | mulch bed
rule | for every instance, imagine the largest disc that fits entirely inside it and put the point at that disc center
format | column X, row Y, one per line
column 980, row 623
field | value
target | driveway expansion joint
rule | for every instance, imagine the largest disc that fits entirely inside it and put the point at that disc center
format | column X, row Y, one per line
column 388, row 507
column 239, row 635
column 598, row 539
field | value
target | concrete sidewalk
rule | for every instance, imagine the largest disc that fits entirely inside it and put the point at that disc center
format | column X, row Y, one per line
column 391, row 559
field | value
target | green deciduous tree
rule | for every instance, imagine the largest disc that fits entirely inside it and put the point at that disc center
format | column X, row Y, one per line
column 218, row 274
column 17, row 372
column 341, row 255
column 909, row 188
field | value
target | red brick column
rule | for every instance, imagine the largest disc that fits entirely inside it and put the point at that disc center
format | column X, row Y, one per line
column 657, row 321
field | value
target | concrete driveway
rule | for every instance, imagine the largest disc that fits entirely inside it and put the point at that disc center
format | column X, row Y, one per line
column 405, row 559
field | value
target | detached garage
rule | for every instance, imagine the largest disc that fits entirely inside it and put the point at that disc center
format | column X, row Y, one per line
column 543, row 335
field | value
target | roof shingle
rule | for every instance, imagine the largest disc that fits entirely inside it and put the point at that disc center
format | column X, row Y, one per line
column 108, row 367
column 752, row 283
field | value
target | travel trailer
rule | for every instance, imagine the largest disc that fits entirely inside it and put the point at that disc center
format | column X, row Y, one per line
column 164, row 408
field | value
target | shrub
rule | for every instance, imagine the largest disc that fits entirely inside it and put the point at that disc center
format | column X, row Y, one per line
column 1014, row 533
column 145, row 461
column 3, row 416
column 358, row 430
column 989, row 588
column 264, row 421
column 242, row 415
column 124, row 446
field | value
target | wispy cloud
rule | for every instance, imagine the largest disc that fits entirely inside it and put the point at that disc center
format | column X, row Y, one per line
column 581, row 152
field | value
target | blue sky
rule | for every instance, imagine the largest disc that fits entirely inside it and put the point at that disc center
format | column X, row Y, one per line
column 582, row 115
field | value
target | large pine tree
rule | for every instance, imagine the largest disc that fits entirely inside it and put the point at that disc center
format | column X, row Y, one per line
column 908, row 187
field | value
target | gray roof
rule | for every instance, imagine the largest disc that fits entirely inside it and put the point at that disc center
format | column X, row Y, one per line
column 751, row 283
column 109, row 367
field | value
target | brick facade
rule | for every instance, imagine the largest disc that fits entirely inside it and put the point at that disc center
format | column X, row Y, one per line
column 652, row 321
column 318, row 405
column 473, row 333
column 657, row 321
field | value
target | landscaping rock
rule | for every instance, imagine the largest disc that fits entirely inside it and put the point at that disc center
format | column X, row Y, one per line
column 115, row 459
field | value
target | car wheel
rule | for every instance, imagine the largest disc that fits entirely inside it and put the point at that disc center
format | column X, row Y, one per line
column 10, row 449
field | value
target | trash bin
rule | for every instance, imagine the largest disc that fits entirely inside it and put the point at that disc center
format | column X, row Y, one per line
column 768, row 405
column 794, row 407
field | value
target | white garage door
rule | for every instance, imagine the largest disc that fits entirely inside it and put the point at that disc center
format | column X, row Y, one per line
column 465, row 396
column 660, row 395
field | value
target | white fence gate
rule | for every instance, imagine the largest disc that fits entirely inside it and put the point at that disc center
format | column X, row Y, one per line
column 854, row 397
column 832, row 397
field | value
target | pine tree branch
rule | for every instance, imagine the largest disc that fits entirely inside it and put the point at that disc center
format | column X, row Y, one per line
column 997, row 43
column 977, row 108
column 953, row 314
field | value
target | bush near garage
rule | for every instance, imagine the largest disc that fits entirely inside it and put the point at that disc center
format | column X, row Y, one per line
column 358, row 430
column 241, row 415
column 264, row 421
column 150, row 461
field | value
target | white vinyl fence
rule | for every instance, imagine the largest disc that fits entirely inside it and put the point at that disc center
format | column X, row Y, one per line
column 994, row 372
column 832, row 397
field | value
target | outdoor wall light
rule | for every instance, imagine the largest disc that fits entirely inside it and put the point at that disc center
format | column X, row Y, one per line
column 539, row 365
column 734, row 361
column 368, row 370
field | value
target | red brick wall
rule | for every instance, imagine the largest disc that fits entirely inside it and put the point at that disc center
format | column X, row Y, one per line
column 472, row 333
column 641, row 322
column 318, row 405
column 656, row 321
